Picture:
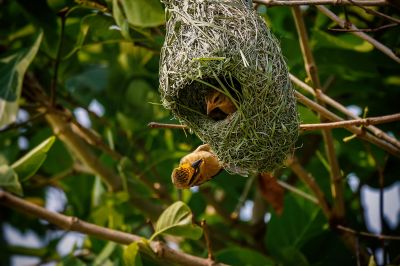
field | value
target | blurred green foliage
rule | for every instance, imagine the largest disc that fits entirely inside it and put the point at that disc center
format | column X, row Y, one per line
column 108, row 67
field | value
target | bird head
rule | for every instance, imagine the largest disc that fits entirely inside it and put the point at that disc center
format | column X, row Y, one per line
column 186, row 175
column 215, row 100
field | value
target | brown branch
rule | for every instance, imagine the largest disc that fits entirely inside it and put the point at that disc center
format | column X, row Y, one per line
column 355, row 122
column 312, row 72
column 355, row 130
column 367, row 30
column 366, row 234
column 389, row 144
column 347, row 25
column 308, row 179
column 320, row 2
column 68, row 223
column 207, row 239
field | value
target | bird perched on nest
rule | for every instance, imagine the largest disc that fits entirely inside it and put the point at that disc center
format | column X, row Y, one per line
column 196, row 168
column 219, row 106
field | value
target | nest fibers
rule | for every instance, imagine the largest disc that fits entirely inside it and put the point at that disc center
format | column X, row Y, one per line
column 223, row 45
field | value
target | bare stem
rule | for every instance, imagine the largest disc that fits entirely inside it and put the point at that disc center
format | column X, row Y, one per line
column 320, row 95
column 354, row 122
column 297, row 191
column 53, row 88
column 391, row 25
column 376, row 13
column 347, row 25
column 207, row 239
column 320, row 2
column 312, row 72
column 308, row 179
column 366, row 234
column 68, row 223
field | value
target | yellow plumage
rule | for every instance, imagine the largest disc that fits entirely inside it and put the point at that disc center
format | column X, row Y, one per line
column 196, row 168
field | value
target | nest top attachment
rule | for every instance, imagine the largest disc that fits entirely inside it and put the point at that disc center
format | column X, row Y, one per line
column 224, row 46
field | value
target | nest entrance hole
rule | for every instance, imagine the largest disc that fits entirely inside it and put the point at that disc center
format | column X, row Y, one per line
column 217, row 89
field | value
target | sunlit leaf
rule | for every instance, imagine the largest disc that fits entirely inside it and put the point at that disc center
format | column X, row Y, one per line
column 9, row 180
column 132, row 256
column 177, row 220
column 31, row 162
column 143, row 13
column 12, row 71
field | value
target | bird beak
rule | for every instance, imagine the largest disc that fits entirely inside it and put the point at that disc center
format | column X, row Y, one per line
column 210, row 107
column 197, row 163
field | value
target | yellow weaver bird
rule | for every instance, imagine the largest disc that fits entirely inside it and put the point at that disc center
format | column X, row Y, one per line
column 196, row 168
column 219, row 106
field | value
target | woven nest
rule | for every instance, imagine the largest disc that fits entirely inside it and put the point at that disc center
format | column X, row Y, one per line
column 210, row 44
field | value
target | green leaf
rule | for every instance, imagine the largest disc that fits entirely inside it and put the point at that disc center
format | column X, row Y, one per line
column 345, row 41
column 121, row 20
column 105, row 254
column 9, row 180
column 12, row 71
column 292, row 256
column 177, row 220
column 143, row 13
column 31, row 162
column 243, row 257
column 131, row 255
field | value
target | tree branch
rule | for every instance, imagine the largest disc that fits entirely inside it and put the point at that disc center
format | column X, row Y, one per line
column 68, row 223
column 320, row 2
column 355, row 122
column 366, row 234
column 312, row 72
column 347, row 25
column 355, row 130
column 308, row 179
column 320, row 95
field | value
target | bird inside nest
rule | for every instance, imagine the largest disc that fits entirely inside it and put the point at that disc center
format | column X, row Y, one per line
column 218, row 105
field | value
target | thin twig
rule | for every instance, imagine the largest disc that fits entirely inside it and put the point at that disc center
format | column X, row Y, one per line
column 320, row 2
column 367, row 30
column 15, row 125
column 68, row 223
column 308, row 179
column 53, row 87
column 312, row 72
column 346, row 25
column 375, row 12
column 297, row 191
column 355, row 122
column 244, row 196
column 207, row 239
column 359, row 132
column 366, row 234
column 376, row 131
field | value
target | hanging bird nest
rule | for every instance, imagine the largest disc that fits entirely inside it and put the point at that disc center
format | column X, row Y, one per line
column 225, row 46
